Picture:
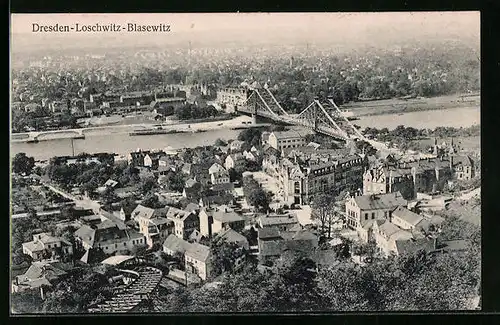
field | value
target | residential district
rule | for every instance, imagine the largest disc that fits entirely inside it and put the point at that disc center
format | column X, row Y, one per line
column 164, row 218
column 305, row 212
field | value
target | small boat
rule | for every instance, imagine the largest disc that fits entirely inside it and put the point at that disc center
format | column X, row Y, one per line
column 32, row 141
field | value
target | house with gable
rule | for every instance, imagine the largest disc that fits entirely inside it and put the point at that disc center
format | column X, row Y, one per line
column 215, row 220
column 37, row 275
column 45, row 246
column 234, row 160
column 152, row 159
column 215, row 168
column 273, row 242
column 253, row 154
column 196, row 256
column 363, row 208
column 136, row 158
column 144, row 213
column 231, row 236
column 282, row 222
column 236, row 145
column 108, row 237
column 386, row 234
column 197, row 259
column 185, row 222
column 462, row 166
column 155, row 227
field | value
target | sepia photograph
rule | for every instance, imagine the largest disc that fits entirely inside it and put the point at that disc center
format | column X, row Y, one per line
column 245, row 163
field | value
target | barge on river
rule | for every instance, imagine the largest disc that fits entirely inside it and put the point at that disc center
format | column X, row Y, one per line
column 153, row 132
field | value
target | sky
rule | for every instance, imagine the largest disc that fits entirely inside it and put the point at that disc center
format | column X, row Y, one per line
column 299, row 27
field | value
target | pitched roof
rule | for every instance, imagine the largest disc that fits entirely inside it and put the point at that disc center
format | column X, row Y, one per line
column 216, row 168
column 388, row 229
column 176, row 244
column 198, row 252
column 86, row 234
column 412, row 245
column 174, row 213
column 34, row 246
column 269, row 233
column 144, row 212
column 275, row 220
column 220, row 173
column 190, row 183
column 304, row 235
column 462, row 160
column 231, row 236
column 227, row 216
column 380, row 201
column 410, row 217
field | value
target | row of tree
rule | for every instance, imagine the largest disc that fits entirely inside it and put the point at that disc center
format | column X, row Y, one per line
column 193, row 111
column 255, row 194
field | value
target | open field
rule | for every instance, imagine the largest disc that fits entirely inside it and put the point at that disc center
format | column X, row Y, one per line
column 390, row 106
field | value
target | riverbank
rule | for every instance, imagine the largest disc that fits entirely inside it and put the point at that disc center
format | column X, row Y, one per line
column 397, row 106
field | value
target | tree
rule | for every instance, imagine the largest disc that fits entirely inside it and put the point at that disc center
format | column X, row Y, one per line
column 220, row 143
column 176, row 182
column 147, row 184
column 151, row 201
column 324, row 208
column 22, row 164
column 77, row 291
column 224, row 256
column 251, row 136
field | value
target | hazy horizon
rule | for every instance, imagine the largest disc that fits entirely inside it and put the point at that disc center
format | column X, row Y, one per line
column 216, row 28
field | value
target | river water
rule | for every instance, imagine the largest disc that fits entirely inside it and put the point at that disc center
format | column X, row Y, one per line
column 120, row 142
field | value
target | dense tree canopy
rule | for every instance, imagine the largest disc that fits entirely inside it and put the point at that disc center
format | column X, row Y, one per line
column 22, row 164
column 255, row 194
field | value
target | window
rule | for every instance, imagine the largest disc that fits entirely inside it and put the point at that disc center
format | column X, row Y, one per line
column 373, row 215
column 124, row 244
column 366, row 216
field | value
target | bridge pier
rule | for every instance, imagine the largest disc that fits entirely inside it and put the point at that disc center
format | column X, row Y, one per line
column 254, row 118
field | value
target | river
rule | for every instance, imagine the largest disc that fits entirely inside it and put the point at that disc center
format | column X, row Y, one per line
column 121, row 143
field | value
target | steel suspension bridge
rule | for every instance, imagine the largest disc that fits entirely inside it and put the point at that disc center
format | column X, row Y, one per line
column 323, row 117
